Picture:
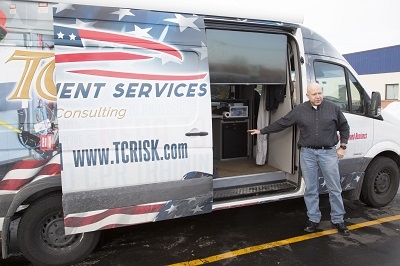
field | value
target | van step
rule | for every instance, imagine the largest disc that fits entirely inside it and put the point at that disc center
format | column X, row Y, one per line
column 252, row 190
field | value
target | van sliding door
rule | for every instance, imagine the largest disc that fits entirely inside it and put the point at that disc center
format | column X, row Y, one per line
column 133, row 88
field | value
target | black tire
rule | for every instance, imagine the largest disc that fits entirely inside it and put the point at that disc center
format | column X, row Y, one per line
column 42, row 239
column 381, row 182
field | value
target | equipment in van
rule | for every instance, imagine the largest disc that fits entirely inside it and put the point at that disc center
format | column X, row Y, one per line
column 238, row 111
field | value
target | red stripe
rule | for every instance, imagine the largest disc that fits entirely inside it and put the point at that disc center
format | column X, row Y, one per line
column 29, row 164
column 50, row 169
column 17, row 184
column 132, row 210
column 14, row 184
column 111, row 226
column 127, row 40
column 79, row 57
column 115, row 74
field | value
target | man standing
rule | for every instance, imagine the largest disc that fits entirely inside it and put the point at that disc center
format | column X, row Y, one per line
column 318, row 122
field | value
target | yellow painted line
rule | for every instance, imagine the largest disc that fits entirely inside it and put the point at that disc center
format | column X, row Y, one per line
column 244, row 251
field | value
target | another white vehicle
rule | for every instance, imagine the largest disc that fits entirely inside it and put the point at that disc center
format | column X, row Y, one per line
column 137, row 111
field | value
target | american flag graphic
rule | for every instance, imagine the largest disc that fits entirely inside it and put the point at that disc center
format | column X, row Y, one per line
column 27, row 171
column 118, row 217
column 148, row 40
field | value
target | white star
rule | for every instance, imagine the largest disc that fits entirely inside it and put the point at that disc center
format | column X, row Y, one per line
column 197, row 209
column 61, row 7
column 72, row 37
column 83, row 24
column 183, row 22
column 60, row 35
column 358, row 178
column 141, row 32
column 191, row 199
column 171, row 209
column 122, row 13
column 165, row 58
column 203, row 54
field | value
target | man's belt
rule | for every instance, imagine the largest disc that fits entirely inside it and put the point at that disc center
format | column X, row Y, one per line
column 319, row 147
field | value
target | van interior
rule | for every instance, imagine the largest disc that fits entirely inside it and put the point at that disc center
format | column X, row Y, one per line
column 246, row 95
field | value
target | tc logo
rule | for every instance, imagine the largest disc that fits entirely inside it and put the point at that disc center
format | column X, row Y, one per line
column 44, row 83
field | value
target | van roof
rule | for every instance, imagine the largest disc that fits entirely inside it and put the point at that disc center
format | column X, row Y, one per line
column 286, row 11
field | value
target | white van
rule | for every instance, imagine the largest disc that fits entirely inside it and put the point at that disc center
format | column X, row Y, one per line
column 137, row 111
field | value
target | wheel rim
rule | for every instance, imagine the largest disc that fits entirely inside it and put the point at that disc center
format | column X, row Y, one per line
column 382, row 182
column 53, row 232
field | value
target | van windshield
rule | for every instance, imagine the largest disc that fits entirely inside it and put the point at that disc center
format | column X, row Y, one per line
column 316, row 44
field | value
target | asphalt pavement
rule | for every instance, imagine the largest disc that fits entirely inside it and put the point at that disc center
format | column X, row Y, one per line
column 265, row 234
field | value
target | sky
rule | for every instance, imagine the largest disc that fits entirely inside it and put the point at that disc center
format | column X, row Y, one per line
column 354, row 25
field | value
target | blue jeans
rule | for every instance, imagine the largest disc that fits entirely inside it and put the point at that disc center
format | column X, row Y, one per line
column 327, row 161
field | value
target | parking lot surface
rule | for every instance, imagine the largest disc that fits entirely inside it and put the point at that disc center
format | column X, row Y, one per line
column 266, row 234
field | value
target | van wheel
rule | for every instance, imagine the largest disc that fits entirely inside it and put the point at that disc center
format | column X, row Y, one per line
column 42, row 239
column 381, row 182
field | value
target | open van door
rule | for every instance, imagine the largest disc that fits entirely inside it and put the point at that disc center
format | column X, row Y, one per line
column 134, row 116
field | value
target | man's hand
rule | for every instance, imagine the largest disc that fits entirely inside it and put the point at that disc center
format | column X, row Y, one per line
column 254, row 131
column 340, row 152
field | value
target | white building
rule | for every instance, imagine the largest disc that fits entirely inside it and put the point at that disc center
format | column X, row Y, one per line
column 379, row 70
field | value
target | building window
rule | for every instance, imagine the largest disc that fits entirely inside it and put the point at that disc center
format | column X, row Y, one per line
column 392, row 91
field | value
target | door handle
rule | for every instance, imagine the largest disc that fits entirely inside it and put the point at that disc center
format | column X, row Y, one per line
column 202, row 133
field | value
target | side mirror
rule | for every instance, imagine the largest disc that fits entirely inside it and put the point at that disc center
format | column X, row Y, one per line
column 375, row 110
